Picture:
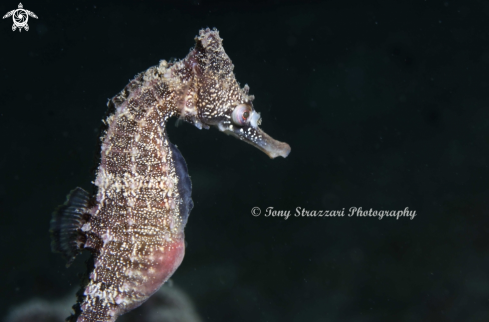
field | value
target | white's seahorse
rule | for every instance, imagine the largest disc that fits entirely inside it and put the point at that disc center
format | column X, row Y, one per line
column 134, row 222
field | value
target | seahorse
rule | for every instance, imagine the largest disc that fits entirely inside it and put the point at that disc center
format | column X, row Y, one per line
column 133, row 223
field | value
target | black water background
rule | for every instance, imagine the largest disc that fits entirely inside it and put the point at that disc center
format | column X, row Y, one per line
column 384, row 104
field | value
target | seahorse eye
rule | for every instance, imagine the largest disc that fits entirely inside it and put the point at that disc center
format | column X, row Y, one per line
column 241, row 114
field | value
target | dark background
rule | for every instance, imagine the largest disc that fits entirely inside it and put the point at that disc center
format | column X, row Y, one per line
column 385, row 106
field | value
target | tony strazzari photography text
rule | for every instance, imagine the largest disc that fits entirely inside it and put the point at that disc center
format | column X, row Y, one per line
column 352, row 212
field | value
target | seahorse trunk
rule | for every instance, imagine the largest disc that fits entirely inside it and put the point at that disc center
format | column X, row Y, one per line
column 136, row 228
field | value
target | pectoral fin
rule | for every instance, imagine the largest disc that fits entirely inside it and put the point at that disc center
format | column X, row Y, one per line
column 66, row 234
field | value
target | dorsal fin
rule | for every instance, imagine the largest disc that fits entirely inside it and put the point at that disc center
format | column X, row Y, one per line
column 66, row 235
column 184, row 184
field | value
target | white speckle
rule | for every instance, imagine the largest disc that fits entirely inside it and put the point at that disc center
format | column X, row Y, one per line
column 107, row 237
column 86, row 227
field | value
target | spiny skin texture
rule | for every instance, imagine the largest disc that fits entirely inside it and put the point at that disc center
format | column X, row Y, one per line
column 134, row 225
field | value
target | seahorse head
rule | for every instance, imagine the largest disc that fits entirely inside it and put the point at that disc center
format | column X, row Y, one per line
column 220, row 102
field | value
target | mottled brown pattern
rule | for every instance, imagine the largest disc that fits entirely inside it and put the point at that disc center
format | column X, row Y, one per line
column 134, row 224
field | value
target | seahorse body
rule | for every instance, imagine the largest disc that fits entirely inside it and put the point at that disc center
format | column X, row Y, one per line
column 134, row 223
